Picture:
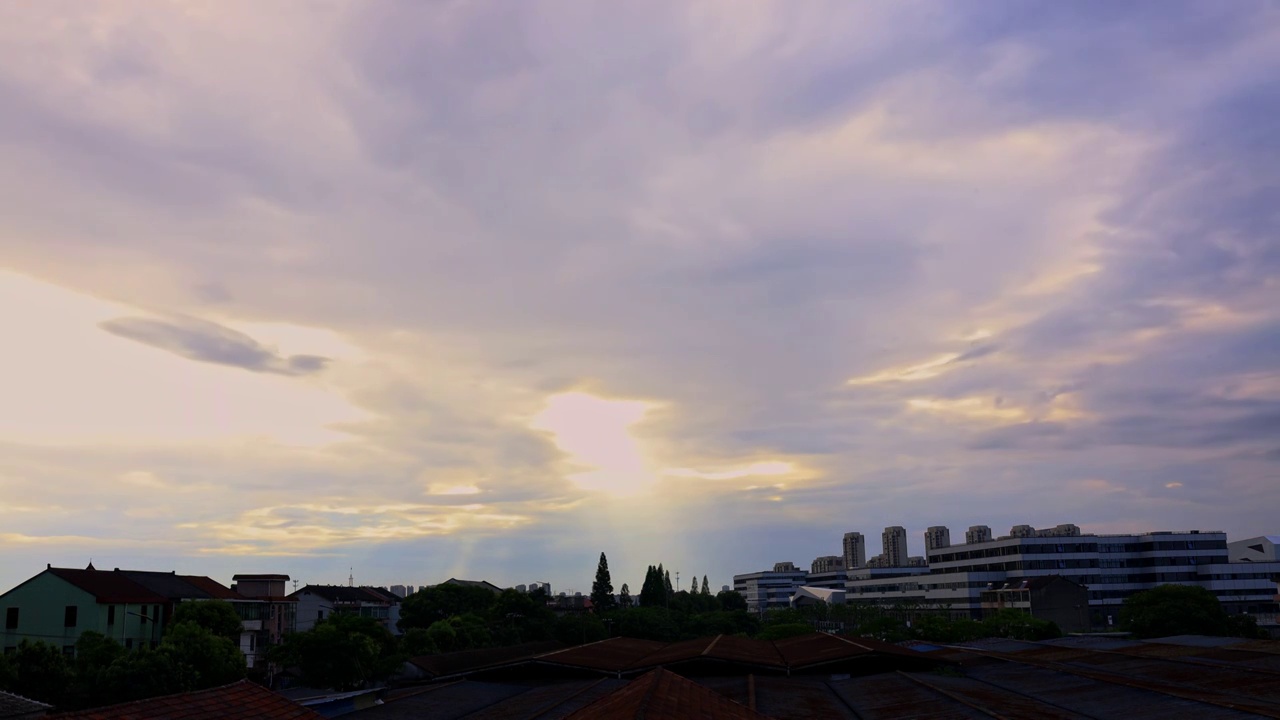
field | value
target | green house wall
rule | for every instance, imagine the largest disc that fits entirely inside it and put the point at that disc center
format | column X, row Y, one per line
column 42, row 602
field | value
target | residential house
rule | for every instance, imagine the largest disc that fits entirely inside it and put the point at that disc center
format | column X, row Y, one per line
column 317, row 602
column 266, row 611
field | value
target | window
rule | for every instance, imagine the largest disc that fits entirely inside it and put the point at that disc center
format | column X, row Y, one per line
column 253, row 645
column 155, row 613
column 111, row 614
column 69, row 616
column 11, row 619
column 319, row 614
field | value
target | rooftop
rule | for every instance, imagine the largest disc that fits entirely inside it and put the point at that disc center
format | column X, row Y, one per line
column 242, row 700
column 16, row 706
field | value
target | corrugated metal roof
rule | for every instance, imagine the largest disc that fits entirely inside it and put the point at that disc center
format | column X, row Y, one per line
column 614, row 654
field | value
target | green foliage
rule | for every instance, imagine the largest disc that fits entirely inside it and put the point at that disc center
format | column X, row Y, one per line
column 215, row 659
column 1019, row 625
column 602, row 587
column 343, row 652
column 653, row 592
column 784, row 630
column 624, row 596
column 579, row 628
column 443, row 635
column 731, row 600
column 1176, row 610
column 216, row 616
column 941, row 629
column 649, row 623
column 442, row 602
column 418, row 642
column 42, row 672
column 706, row 587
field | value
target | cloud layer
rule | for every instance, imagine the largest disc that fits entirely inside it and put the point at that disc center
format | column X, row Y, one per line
column 691, row 282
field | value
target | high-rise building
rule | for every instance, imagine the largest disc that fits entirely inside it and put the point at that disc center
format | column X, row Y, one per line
column 1022, row 531
column 855, row 550
column 977, row 534
column 399, row 591
column 827, row 563
column 895, row 546
column 937, row 537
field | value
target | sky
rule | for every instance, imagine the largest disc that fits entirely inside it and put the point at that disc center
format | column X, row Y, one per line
column 405, row 290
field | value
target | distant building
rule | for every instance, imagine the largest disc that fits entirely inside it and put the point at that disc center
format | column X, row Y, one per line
column 916, row 561
column 1258, row 549
column 827, row 563
column 132, row 607
column 399, row 591
column 1065, row 530
column 1022, row 531
column 267, row 613
column 937, row 537
column 476, row 584
column 895, row 546
column 521, row 588
column 770, row 589
column 1049, row 597
column 855, row 550
column 977, row 534
column 317, row 602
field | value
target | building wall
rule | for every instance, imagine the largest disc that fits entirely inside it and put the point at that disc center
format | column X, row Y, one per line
column 894, row 541
column 311, row 607
column 42, row 603
column 1062, row 602
column 768, row 590
column 855, row 550
column 937, row 537
column 977, row 534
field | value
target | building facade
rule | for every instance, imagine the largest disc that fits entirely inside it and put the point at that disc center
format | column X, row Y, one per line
column 1111, row 567
column 318, row 602
column 826, row 563
column 855, row 550
column 937, row 537
column 266, row 612
column 770, row 589
column 894, row 541
column 977, row 534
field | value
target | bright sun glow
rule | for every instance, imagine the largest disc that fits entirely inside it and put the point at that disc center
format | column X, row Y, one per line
column 596, row 434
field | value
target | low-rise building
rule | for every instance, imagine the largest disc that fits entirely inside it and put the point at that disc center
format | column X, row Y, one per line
column 770, row 589
column 317, row 602
column 826, row 563
column 1051, row 597
column 266, row 611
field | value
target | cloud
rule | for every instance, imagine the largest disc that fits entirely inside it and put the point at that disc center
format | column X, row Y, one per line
column 938, row 265
column 210, row 342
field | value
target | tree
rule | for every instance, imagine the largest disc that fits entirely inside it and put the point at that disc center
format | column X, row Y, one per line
column 1174, row 610
column 706, row 587
column 43, row 672
column 1019, row 625
column 442, row 602
column 731, row 600
column 217, row 616
column 602, row 588
column 343, row 652
column 666, row 584
column 624, row 596
column 216, row 659
column 652, row 593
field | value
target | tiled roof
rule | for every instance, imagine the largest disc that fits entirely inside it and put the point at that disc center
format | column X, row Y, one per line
column 214, row 588
column 473, row 583
column 180, row 587
column 663, row 695
column 342, row 593
column 108, row 586
column 12, row 706
column 238, row 701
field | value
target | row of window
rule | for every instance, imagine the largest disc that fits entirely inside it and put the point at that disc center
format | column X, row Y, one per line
column 71, row 615
column 1032, row 548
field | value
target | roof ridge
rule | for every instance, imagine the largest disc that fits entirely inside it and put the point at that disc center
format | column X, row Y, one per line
column 713, row 644
column 648, row 693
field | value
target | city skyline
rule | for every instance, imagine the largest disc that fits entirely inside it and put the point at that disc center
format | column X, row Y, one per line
column 480, row 290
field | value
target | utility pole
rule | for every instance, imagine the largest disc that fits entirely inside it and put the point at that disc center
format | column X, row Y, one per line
column 677, row 581
column 351, row 579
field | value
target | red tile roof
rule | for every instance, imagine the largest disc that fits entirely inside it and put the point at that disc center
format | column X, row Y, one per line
column 238, row 701
column 663, row 695
column 213, row 587
column 107, row 586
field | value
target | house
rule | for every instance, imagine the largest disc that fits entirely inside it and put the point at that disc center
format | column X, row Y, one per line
column 59, row 604
column 317, row 602
column 266, row 611
column 474, row 583
column 132, row 607
column 1047, row 597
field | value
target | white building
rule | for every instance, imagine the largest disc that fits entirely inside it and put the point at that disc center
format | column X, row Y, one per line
column 770, row 589
column 826, row 563
column 977, row 534
column 1258, row 549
